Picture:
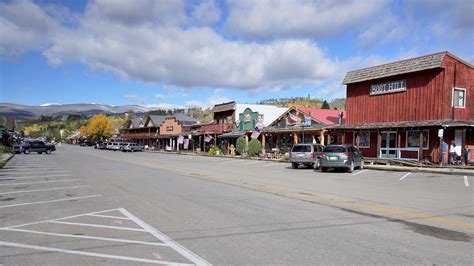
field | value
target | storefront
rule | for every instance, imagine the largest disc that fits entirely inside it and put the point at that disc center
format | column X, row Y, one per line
column 412, row 109
column 301, row 125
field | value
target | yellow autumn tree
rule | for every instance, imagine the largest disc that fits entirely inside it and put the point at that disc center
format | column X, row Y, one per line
column 99, row 127
column 83, row 131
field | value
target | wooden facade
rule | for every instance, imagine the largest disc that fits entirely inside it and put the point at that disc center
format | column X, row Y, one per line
column 387, row 124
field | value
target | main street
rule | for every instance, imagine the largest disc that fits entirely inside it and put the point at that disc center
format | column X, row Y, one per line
column 85, row 206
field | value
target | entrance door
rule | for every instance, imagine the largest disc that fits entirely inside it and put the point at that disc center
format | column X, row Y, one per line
column 388, row 147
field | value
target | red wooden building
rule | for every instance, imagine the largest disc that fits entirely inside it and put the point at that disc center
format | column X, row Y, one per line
column 394, row 107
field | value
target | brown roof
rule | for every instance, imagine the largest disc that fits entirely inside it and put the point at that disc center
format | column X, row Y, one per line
column 395, row 68
column 224, row 107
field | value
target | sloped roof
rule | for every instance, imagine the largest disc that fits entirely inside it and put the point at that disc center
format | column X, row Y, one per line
column 135, row 122
column 323, row 116
column 184, row 119
column 222, row 107
column 395, row 68
column 270, row 112
column 156, row 120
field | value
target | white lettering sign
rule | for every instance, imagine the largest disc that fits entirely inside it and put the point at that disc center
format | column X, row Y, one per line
column 388, row 87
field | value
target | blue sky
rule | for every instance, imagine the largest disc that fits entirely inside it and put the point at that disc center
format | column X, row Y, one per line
column 173, row 53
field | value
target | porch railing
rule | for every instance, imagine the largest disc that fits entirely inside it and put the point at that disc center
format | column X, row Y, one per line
column 217, row 128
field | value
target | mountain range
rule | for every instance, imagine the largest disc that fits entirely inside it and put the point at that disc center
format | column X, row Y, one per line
column 25, row 111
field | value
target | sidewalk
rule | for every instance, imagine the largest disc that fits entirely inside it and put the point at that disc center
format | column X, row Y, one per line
column 4, row 158
column 445, row 170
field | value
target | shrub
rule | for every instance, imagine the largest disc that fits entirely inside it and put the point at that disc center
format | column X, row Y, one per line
column 240, row 146
column 212, row 150
column 255, row 148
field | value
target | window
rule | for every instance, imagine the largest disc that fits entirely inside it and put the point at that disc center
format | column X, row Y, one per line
column 335, row 149
column 459, row 98
column 364, row 139
column 413, row 139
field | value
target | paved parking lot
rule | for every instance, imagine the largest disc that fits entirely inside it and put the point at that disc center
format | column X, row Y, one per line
column 86, row 206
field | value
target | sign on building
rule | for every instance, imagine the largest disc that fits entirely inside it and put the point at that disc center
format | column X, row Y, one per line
column 388, row 87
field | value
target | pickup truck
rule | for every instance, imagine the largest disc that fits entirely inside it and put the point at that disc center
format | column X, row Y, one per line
column 34, row 146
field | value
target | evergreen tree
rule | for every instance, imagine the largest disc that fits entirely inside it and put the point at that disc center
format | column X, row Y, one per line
column 325, row 105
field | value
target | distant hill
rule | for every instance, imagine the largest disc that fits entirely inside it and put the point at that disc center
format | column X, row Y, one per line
column 339, row 103
column 25, row 111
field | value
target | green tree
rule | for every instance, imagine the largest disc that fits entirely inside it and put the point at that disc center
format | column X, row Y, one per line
column 255, row 148
column 240, row 145
column 325, row 105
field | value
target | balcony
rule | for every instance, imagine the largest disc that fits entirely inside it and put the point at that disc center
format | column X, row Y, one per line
column 217, row 128
column 136, row 135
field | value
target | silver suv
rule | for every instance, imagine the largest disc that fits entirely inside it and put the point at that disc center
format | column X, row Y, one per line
column 131, row 147
column 306, row 154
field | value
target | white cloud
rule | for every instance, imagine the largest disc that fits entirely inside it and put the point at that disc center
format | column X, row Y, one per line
column 164, row 106
column 267, row 19
column 206, row 12
column 160, row 97
column 386, row 30
column 194, row 103
column 24, row 26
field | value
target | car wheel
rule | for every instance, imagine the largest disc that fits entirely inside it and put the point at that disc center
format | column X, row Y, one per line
column 26, row 151
column 142, row 149
column 361, row 164
column 351, row 167
column 294, row 165
column 317, row 164
column 48, row 151
column 324, row 169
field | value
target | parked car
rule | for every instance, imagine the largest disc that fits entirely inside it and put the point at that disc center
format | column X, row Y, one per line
column 341, row 156
column 306, row 154
column 86, row 142
column 132, row 147
column 113, row 146
column 34, row 146
column 100, row 145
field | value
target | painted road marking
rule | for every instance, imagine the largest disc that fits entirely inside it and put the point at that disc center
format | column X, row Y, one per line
column 109, row 216
column 39, row 182
column 360, row 172
column 37, row 176
column 85, row 253
column 164, row 240
column 466, row 181
column 404, row 176
column 251, row 162
column 99, row 225
column 86, row 237
column 47, row 201
column 39, row 190
column 34, row 171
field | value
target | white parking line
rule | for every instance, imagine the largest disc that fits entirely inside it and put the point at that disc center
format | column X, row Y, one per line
column 165, row 239
column 86, row 237
column 99, row 225
column 39, row 190
column 360, row 172
column 37, row 176
column 48, row 201
column 85, row 253
column 404, row 176
column 466, row 181
column 39, row 182
column 109, row 216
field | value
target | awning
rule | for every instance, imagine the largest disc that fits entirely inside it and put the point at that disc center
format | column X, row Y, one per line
column 394, row 125
column 293, row 129
column 231, row 135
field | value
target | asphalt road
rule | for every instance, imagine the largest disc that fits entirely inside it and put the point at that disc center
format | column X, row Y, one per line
column 80, row 206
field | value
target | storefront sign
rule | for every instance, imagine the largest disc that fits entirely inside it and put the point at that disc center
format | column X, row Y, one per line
column 169, row 128
column 440, row 132
column 388, row 87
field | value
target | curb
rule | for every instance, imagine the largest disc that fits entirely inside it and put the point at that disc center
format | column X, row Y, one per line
column 422, row 170
column 6, row 160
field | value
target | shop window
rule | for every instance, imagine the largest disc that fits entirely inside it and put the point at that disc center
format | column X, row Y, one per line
column 364, row 139
column 413, row 139
column 459, row 98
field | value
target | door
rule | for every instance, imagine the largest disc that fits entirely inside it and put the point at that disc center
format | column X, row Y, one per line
column 388, row 146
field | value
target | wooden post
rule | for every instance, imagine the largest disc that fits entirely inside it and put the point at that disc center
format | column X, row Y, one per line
column 263, row 144
column 379, row 143
column 321, row 140
column 463, row 147
column 358, row 140
column 399, row 141
column 420, row 152
column 343, row 139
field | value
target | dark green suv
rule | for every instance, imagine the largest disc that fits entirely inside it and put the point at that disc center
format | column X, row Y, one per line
column 341, row 156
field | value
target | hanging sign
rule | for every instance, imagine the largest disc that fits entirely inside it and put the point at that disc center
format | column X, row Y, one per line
column 307, row 121
column 440, row 132
column 388, row 87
